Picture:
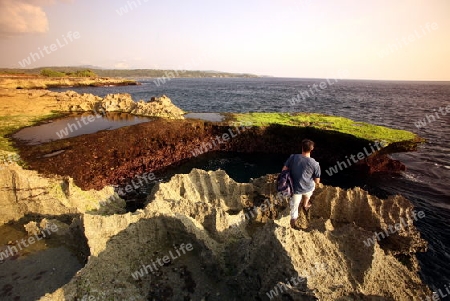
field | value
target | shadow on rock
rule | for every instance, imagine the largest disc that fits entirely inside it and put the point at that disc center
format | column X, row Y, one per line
column 150, row 260
column 42, row 260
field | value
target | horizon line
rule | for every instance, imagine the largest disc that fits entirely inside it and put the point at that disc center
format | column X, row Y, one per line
column 228, row 72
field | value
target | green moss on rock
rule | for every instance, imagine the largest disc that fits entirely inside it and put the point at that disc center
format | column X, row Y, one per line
column 326, row 122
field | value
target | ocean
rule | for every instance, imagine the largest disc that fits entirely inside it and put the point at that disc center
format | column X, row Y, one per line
column 420, row 107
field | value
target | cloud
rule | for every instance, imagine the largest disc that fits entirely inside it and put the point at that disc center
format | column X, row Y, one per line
column 24, row 16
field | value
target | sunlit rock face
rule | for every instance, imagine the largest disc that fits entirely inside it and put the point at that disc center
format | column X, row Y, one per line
column 25, row 192
column 157, row 106
column 243, row 247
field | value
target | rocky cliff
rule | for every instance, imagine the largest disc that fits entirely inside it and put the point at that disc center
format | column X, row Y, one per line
column 229, row 241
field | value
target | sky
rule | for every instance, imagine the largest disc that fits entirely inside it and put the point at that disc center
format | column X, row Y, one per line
column 354, row 39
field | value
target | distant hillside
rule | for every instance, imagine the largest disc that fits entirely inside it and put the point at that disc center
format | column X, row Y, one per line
column 131, row 72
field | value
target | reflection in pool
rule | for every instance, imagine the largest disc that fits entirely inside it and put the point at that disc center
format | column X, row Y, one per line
column 76, row 125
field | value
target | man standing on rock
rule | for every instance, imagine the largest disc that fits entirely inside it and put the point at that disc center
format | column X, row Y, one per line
column 305, row 173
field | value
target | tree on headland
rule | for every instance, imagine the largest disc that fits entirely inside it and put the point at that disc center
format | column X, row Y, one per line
column 52, row 73
column 79, row 73
column 83, row 73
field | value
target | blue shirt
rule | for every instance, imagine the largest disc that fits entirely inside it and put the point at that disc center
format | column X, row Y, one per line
column 303, row 171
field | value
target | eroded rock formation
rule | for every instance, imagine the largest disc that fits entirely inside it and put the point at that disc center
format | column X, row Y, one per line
column 157, row 106
column 71, row 101
column 24, row 192
column 241, row 256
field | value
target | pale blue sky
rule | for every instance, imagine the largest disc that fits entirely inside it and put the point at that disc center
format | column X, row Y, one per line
column 288, row 38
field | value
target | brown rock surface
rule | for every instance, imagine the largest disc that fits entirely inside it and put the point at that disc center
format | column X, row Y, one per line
column 112, row 157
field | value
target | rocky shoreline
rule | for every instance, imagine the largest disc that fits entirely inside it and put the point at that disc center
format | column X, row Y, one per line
column 242, row 245
column 36, row 82
column 112, row 157
column 236, row 255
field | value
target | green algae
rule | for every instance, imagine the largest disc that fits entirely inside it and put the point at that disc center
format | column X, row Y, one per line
column 330, row 123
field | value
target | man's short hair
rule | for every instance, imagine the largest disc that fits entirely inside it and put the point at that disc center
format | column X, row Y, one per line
column 307, row 145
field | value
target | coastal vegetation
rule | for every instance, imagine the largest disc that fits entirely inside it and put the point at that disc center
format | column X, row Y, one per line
column 10, row 124
column 79, row 73
column 332, row 123
column 153, row 73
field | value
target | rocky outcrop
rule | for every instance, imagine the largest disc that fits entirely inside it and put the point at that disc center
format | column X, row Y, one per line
column 71, row 101
column 49, row 82
column 45, row 216
column 245, row 250
column 157, row 106
column 24, row 192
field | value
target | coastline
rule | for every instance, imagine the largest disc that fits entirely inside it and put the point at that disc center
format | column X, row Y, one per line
column 40, row 82
column 59, row 186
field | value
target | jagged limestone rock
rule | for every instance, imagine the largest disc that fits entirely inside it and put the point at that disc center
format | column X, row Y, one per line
column 248, row 261
column 158, row 106
column 25, row 192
